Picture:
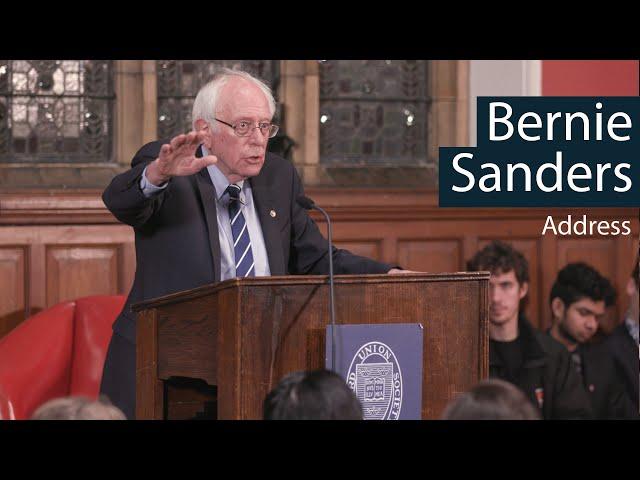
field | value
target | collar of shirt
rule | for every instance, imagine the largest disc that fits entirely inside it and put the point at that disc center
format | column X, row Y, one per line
column 220, row 182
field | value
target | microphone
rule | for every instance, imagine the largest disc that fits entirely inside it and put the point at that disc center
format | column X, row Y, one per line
column 308, row 204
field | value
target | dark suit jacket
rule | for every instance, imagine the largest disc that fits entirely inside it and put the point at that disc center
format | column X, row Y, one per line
column 624, row 351
column 604, row 384
column 176, row 232
column 546, row 377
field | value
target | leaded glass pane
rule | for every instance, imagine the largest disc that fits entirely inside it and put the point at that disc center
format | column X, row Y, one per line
column 373, row 112
column 179, row 81
column 56, row 111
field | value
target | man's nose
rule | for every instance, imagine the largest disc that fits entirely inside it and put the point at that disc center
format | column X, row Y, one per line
column 493, row 295
column 592, row 324
column 257, row 137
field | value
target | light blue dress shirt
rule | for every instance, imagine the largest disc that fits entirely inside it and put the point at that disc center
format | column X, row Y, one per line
column 227, row 258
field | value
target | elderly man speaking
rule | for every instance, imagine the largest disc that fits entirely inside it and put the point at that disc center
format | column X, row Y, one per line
column 212, row 205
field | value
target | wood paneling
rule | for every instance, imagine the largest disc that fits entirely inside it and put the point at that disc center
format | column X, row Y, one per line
column 64, row 244
column 12, row 287
column 35, row 207
column 41, row 265
column 366, row 249
column 430, row 255
column 74, row 272
column 599, row 253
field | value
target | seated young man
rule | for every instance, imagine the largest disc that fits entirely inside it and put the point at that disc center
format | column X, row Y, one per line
column 624, row 344
column 579, row 298
column 534, row 362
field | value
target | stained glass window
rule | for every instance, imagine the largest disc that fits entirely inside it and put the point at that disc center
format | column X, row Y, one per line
column 373, row 112
column 179, row 82
column 54, row 111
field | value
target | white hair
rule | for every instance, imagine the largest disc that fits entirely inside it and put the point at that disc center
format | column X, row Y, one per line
column 78, row 408
column 206, row 102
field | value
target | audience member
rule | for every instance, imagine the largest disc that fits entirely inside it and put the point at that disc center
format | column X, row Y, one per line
column 491, row 400
column 315, row 395
column 579, row 298
column 534, row 362
column 624, row 345
column 78, row 408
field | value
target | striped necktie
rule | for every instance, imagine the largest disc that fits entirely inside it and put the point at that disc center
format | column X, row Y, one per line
column 241, row 241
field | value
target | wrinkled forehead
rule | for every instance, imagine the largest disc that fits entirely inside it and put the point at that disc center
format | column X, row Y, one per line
column 241, row 97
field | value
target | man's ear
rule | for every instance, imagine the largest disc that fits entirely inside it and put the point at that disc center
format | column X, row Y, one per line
column 524, row 289
column 632, row 289
column 557, row 308
column 203, row 126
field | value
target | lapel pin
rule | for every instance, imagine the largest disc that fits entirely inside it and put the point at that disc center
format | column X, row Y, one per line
column 272, row 213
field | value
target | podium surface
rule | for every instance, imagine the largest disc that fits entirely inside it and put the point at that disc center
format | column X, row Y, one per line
column 241, row 336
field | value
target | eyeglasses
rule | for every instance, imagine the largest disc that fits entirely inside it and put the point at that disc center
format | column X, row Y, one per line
column 244, row 128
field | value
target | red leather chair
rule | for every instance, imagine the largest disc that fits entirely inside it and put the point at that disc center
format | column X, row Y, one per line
column 58, row 352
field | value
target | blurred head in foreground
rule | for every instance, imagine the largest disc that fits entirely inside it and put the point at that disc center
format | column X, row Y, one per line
column 315, row 395
column 78, row 408
column 491, row 400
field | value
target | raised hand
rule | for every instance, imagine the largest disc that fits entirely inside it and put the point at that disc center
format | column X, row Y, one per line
column 177, row 158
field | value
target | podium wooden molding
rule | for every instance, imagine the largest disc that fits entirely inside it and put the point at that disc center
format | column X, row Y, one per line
column 243, row 335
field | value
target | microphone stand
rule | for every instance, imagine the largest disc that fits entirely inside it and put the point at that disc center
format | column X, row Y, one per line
column 308, row 204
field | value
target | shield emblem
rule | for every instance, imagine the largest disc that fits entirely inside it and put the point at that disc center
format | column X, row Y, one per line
column 374, row 387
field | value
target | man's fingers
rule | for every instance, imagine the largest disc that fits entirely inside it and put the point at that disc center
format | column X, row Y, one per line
column 189, row 144
column 397, row 271
column 165, row 153
column 178, row 155
column 200, row 163
column 200, row 136
column 210, row 159
column 191, row 138
column 178, row 141
column 165, row 150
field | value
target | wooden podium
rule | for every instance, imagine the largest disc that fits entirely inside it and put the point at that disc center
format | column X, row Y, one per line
column 236, row 339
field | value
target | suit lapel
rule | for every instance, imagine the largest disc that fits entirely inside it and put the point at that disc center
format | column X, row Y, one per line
column 264, row 202
column 628, row 345
column 208, row 198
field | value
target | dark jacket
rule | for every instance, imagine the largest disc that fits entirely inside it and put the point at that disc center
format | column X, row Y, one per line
column 604, row 385
column 624, row 351
column 547, row 377
column 176, row 231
